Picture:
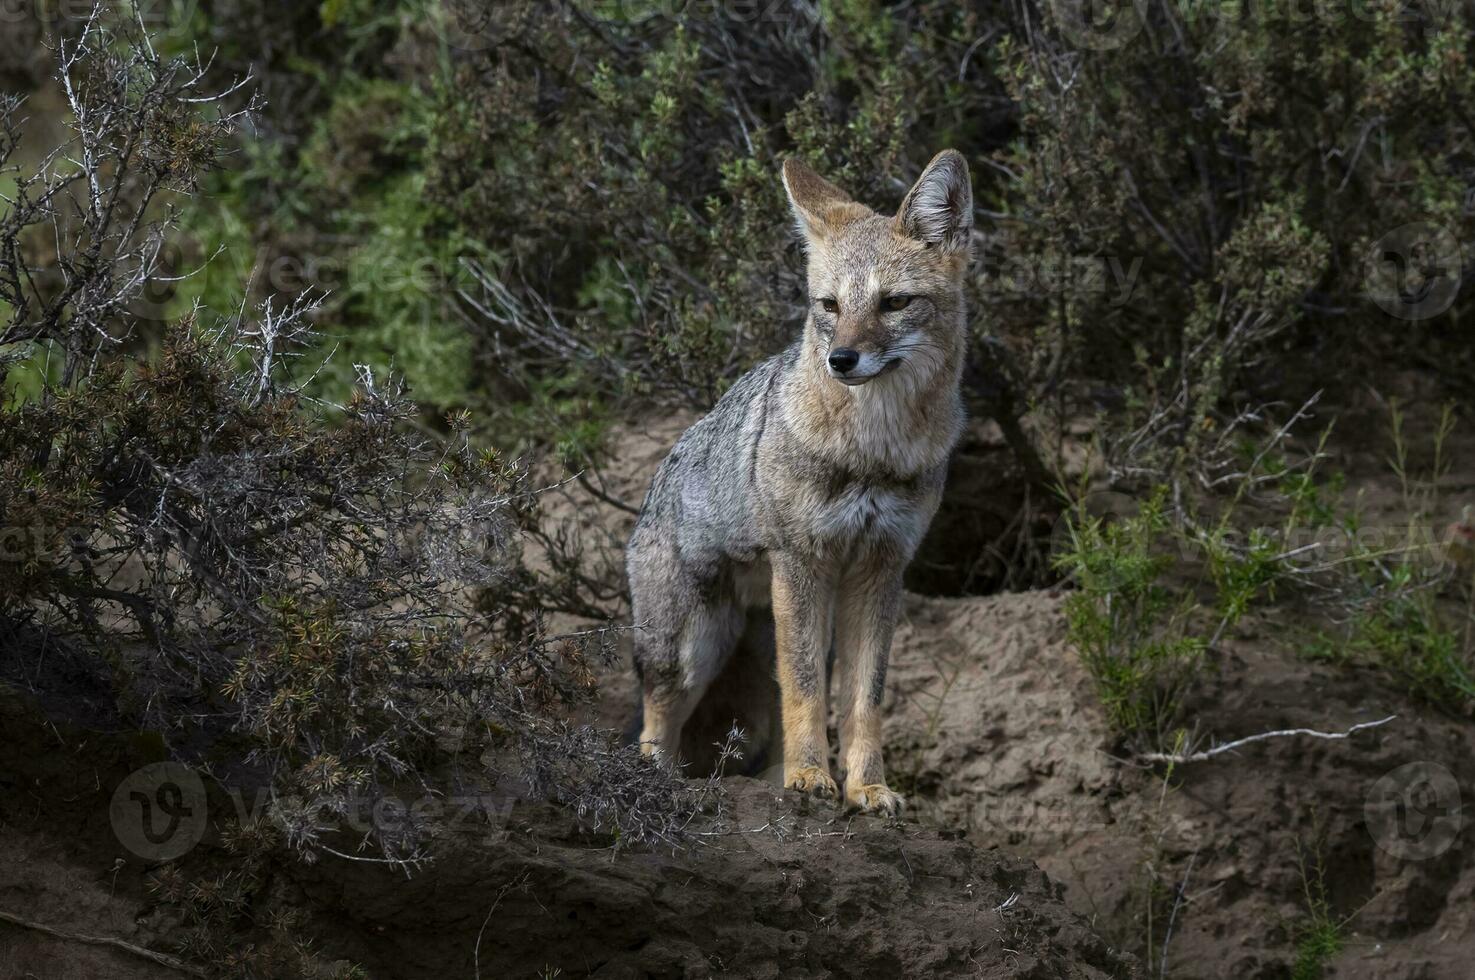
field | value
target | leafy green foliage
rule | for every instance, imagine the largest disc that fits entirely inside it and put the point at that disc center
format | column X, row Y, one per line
column 1321, row 935
column 626, row 177
column 1242, row 574
column 350, row 225
column 1406, row 636
column 1163, row 217
column 1127, row 624
column 1241, row 160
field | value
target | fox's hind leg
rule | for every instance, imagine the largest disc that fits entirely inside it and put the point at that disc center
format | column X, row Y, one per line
column 678, row 665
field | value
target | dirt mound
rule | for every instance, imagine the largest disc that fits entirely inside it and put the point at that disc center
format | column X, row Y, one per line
column 994, row 729
column 775, row 886
column 779, row 888
column 991, row 725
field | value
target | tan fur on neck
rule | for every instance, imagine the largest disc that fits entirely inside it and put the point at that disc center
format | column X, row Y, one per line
column 903, row 422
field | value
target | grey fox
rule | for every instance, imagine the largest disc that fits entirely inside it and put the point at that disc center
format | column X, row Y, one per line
column 809, row 486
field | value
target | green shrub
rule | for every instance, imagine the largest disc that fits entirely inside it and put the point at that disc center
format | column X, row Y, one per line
column 1406, row 635
column 1174, row 231
column 1321, row 935
column 349, row 224
column 626, row 176
column 1129, row 626
column 1175, row 228
column 1241, row 159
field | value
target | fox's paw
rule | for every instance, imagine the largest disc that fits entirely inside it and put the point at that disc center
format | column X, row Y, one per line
column 813, row 780
column 874, row 798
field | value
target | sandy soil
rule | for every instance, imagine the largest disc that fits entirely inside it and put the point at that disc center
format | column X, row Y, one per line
column 777, row 885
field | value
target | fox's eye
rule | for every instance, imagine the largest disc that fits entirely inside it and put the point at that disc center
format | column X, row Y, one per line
column 891, row 304
column 829, row 305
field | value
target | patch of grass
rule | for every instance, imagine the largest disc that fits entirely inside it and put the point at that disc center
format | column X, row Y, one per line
column 1321, row 935
column 1406, row 636
column 1158, row 588
column 1395, row 595
column 1128, row 625
column 1317, row 946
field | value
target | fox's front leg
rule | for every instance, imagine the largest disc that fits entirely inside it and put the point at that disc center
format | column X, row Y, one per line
column 869, row 598
column 803, row 603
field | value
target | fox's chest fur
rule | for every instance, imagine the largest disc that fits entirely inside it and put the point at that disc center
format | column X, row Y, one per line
column 857, row 467
column 830, row 512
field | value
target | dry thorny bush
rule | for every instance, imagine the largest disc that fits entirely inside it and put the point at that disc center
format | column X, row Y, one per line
column 318, row 593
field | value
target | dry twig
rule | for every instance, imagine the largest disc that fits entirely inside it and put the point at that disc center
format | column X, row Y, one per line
column 127, row 947
column 1177, row 758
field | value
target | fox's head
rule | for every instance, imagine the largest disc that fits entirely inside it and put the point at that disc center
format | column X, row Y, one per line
column 885, row 293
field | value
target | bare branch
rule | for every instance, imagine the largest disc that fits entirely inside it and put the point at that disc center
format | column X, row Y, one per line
column 1176, row 758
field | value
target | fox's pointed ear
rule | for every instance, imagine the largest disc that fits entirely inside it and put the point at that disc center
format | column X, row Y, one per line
column 938, row 209
column 819, row 206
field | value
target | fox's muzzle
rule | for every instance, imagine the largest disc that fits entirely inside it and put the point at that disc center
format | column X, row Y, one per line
column 852, row 367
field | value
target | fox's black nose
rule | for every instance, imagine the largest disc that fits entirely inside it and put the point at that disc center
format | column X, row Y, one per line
column 842, row 359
